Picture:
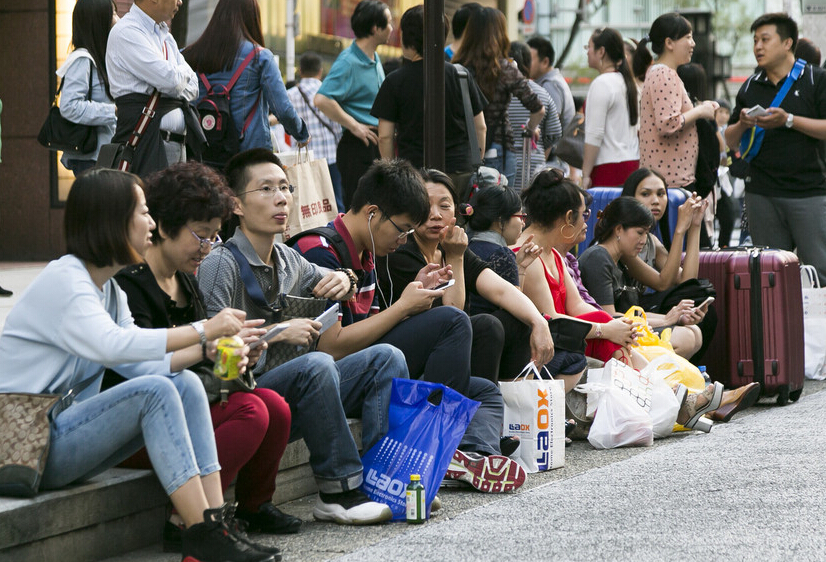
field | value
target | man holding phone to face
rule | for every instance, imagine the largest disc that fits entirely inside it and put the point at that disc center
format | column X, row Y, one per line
column 785, row 185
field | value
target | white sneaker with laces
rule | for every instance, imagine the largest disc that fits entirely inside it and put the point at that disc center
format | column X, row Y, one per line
column 350, row 508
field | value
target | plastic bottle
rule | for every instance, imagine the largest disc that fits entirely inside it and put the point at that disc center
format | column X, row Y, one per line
column 416, row 511
column 702, row 369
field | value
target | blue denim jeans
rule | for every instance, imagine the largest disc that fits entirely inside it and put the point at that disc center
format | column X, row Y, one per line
column 506, row 168
column 170, row 415
column 436, row 345
column 322, row 393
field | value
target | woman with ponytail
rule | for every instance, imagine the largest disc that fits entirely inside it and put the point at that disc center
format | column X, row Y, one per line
column 502, row 340
column 620, row 235
column 668, row 134
column 612, row 148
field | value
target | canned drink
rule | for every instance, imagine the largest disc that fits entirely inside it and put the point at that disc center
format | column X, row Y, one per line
column 227, row 358
column 415, row 503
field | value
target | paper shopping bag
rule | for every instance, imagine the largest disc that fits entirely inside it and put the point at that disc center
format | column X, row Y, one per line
column 427, row 422
column 314, row 201
column 814, row 323
column 535, row 412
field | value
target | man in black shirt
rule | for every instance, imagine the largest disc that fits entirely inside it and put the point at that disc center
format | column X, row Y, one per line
column 399, row 105
column 785, row 186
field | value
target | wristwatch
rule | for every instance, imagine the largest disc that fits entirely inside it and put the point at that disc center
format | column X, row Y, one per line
column 790, row 121
column 199, row 327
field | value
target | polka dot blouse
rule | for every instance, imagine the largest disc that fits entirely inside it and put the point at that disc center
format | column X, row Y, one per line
column 667, row 144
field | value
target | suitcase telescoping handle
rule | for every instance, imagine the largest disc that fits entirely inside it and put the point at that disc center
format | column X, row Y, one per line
column 756, row 306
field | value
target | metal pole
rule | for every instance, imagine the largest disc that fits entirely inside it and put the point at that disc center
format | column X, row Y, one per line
column 290, row 40
column 434, row 85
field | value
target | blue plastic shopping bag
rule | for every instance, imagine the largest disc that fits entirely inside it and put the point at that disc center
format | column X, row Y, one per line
column 427, row 422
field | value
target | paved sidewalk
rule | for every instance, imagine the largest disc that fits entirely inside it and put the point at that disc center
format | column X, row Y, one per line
column 16, row 276
column 752, row 489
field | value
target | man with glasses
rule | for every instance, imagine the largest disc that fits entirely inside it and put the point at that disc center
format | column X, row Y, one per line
column 321, row 392
column 390, row 202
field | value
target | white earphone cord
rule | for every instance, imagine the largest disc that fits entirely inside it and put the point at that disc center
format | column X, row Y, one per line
column 386, row 265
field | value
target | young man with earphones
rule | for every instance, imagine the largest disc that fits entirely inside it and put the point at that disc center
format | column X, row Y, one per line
column 354, row 384
column 389, row 203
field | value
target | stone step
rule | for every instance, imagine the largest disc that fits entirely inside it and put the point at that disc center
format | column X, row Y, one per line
column 117, row 511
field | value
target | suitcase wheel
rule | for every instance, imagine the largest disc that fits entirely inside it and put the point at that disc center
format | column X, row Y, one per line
column 794, row 395
column 783, row 395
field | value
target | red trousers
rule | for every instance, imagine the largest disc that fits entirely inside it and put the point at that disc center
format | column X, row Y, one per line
column 251, row 433
column 613, row 174
column 599, row 349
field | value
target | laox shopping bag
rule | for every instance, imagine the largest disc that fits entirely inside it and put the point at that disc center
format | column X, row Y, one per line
column 314, row 201
column 535, row 412
column 427, row 422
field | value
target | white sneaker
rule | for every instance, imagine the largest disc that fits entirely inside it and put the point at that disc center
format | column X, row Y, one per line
column 350, row 508
column 493, row 473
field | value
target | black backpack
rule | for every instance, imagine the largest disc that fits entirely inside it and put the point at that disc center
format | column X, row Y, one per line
column 708, row 157
column 223, row 141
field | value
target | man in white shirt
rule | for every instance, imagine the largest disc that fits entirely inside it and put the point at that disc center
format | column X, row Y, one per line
column 142, row 56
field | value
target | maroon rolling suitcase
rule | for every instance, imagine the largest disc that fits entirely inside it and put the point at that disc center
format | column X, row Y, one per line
column 759, row 335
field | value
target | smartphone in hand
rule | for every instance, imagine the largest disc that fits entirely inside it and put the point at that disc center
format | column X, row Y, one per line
column 757, row 111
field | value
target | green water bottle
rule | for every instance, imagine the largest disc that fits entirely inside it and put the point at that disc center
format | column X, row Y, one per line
column 415, row 499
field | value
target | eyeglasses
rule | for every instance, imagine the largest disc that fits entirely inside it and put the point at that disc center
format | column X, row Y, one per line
column 268, row 192
column 522, row 216
column 206, row 243
column 586, row 214
column 402, row 232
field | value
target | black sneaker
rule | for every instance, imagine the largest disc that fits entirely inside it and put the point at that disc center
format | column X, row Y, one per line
column 350, row 508
column 238, row 527
column 212, row 541
column 269, row 519
column 172, row 537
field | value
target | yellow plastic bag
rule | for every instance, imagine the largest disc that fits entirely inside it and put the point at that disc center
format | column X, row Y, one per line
column 652, row 346
column 646, row 337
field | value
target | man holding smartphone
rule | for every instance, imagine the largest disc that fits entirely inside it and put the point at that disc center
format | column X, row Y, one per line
column 355, row 385
column 389, row 203
column 785, row 185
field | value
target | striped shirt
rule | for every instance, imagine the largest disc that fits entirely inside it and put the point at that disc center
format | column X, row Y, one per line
column 550, row 131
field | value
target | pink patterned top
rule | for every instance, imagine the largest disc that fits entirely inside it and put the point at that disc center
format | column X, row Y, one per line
column 666, row 143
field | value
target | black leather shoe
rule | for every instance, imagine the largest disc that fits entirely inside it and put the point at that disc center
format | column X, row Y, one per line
column 269, row 519
column 5, row 292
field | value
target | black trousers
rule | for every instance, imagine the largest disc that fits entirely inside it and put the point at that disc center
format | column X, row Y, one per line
column 353, row 158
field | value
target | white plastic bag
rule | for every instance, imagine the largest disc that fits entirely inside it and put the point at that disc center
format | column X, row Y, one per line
column 619, row 420
column 535, row 412
column 814, row 323
column 664, row 404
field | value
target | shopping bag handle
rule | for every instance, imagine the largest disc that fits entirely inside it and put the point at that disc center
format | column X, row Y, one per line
column 809, row 273
column 530, row 371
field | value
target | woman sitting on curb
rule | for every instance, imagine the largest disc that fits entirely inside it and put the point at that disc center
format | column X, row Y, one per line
column 73, row 320
column 555, row 207
column 189, row 202
column 659, row 267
